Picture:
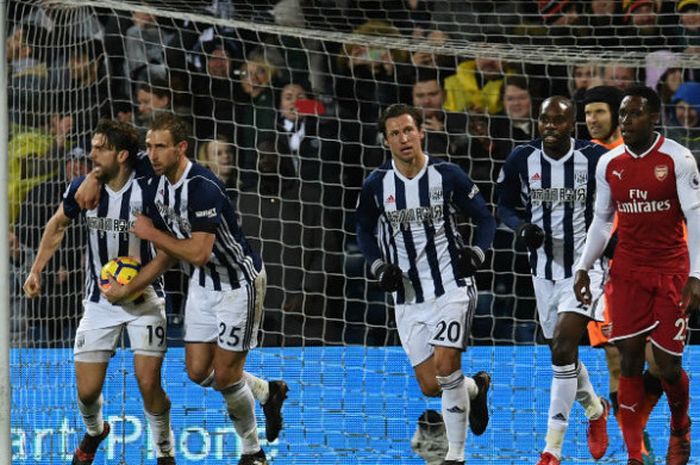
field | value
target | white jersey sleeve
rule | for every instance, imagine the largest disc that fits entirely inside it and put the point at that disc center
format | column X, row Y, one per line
column 603, row 215
column 688, row 188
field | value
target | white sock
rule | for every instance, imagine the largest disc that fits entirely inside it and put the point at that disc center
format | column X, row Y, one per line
column 92, row 416
column 455, row 412
column 585, row 394
column 472, row 388
column 241, row 408
column 163, row 438
column 561, row 401
column 259, row 387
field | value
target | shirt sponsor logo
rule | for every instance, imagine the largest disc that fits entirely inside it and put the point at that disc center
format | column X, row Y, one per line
column 117, row 225
column 559, row 194
column 414, row 215
column 638, row 203
column 210, row 213
column 661, row 171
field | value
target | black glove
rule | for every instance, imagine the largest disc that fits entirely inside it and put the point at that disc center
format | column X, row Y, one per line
column 468, row 261
column 390, row 277
column 610, row 248
column 531, row 235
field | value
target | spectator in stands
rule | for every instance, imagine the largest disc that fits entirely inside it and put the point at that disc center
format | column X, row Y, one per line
column 34, row 153
column 214, row 87
column 642, row 31
column 55, row 315
column 87, row 84
column 218, row 155
column 309, row 140
column 565, row 24
column 684, row 125
column 604, row 19
column 255, row 115
column 365, row 77
column 664, row 74
column 27, row 72
column 436, row 38
column 283, row 220
column 144, row 48
column 156, row 97
column 517, row 101
column 477, row 86
column 689, row 21
column 122, row 110
column 443, row 129
column 619, row 76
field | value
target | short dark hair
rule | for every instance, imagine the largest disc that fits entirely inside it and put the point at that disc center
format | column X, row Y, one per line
column 395, row 110
column 425, row 74
column 179, row 129
column 158, row 87
column 653, row 102
column 517, row 81
column 120, row 136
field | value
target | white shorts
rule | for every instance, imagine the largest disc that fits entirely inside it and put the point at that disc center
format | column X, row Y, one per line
column 231, row 318
column 554, row 297
column 146, row 328
column 444, row 321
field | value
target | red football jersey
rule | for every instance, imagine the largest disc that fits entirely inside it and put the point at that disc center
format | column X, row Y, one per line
column 647, row 192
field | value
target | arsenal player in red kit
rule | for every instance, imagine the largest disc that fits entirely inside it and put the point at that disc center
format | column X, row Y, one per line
column 652, row 183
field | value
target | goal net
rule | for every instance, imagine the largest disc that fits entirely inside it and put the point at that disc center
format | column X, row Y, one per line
column 283, row 99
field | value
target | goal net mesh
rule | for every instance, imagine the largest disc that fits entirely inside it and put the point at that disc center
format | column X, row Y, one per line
column 283, row 99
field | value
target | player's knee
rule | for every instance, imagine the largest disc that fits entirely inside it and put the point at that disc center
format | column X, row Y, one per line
column 88, row 397
column 670, row 372
column 198, row 374
column 564, row 351
column 149, row 384
column 429, row 388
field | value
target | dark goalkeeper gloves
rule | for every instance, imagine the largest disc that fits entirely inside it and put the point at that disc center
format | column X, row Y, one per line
column 530, row 234
column 468, row 261
column 390, row 277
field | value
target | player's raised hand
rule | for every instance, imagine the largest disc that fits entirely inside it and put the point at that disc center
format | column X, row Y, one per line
column 582, row 287
column 143, row 226
column 390, row 277
column 690, row 299
column 32, row 285
column 531, row 235
column 113, row 291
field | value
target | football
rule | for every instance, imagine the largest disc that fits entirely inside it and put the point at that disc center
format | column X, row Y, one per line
column 123, row 270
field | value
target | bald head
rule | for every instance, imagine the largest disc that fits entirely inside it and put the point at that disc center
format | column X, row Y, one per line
column 556, row 123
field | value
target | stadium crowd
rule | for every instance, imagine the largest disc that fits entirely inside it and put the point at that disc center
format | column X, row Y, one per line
column 290, row 127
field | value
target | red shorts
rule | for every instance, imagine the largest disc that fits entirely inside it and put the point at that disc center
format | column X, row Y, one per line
column 644, row 301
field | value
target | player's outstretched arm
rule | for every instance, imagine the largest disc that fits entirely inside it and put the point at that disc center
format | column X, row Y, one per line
column 50, row 241
column 195, row 250
column 117, row 292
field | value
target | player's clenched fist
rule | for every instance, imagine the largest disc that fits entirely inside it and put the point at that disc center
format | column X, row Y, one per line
column 531, row 235
column 142, row 227
column 582, row 287
column 469, row 260
column 390, row 277
column 32, row 285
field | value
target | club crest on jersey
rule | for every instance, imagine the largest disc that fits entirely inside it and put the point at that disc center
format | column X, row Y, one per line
column 581, row 176
column 661, row 171
column 436, row 194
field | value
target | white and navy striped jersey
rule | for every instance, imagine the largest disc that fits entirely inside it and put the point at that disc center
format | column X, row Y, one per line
column 558, row 197
column 108, row 233
column 198, row 202
column 411, row 223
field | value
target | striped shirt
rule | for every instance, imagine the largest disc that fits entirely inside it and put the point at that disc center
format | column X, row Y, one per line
column 558, row 197
column 108, row 233
column 411, row 223
column 198, row 202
